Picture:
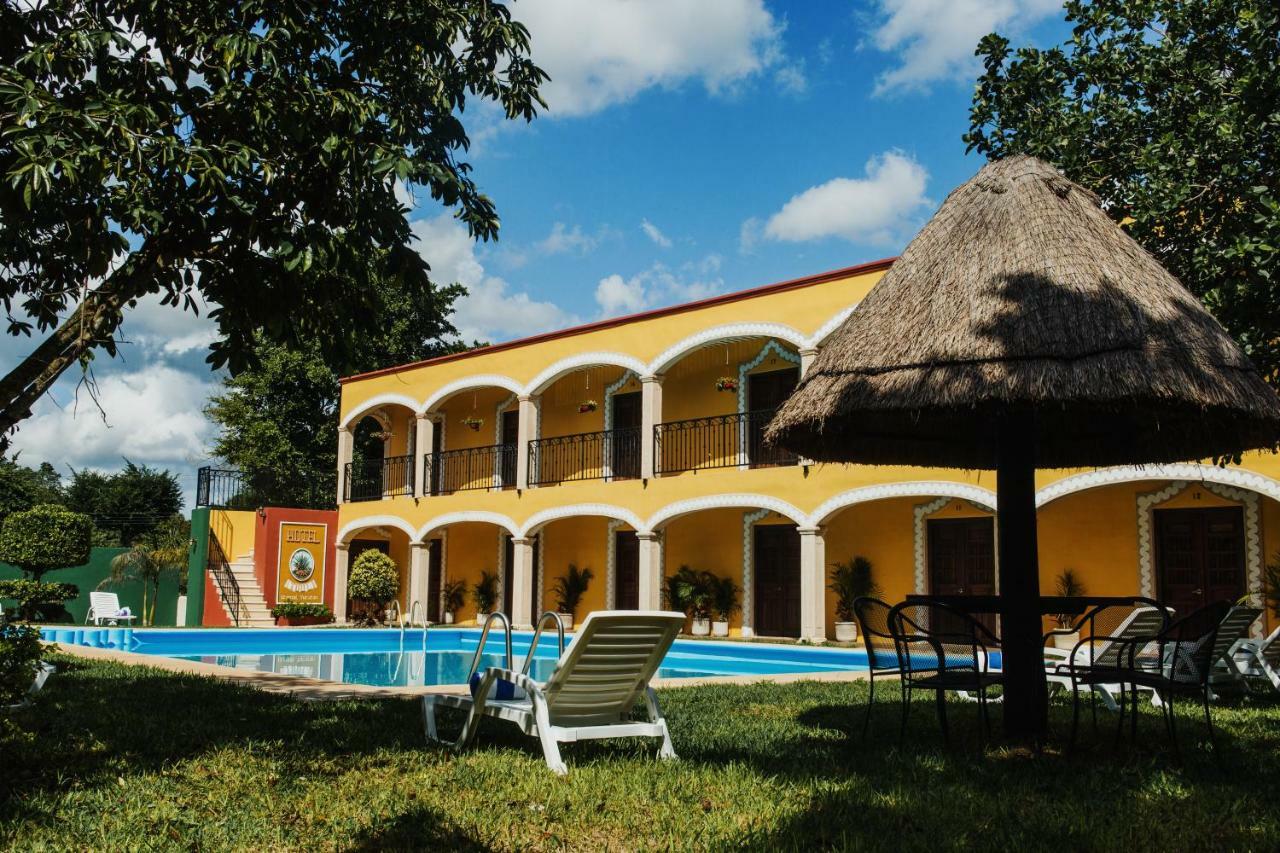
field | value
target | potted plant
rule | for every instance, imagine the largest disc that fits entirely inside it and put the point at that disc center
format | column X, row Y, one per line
column 485, row 594
column 850, row 580
column 473, row 423
column 686, row 591
column 587, row 406
column 289, row 613
column 453, row 594
column 569, row 589
column 374, row 580
column 727, row 383
column 724, row 595
column 1068, row 586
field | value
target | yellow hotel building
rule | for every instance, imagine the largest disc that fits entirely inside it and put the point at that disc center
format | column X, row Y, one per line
column 632, row 447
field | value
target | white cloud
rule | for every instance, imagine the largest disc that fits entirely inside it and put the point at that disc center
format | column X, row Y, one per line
column 655, row 234
column 659, row 285
column 617, row 295
column 880, row 208
column 603, row 52
column 792, row 79
column 935, row 39
column 490, row 311
column 563, row 239
column 169, row 329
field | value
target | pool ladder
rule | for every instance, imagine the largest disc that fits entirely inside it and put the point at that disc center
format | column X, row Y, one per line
column 406, row 622
column 502, row 619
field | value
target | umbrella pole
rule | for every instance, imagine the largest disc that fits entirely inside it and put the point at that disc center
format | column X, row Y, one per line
column 1025, row 692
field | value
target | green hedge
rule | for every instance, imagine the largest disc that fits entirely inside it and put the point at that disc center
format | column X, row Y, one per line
column 88, row 576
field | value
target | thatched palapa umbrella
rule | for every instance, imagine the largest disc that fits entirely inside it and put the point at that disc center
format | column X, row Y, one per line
column 1023, row 329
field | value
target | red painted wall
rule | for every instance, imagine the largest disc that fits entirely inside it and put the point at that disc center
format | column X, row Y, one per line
column 266, row 546
column 215, row 615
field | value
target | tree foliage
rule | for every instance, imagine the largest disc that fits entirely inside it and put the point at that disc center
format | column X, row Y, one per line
column 22, row 487
column 164, row 554
column 373, row 577
column 246, row 153
column 39, row 600
column 1168, row 110
column 127, row 505
column 44, row 538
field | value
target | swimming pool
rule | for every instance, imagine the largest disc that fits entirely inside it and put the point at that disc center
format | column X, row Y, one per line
column 384, row 657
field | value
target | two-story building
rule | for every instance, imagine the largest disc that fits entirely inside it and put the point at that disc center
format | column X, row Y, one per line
column 633, row 447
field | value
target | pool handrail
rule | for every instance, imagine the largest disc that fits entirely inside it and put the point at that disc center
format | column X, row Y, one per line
column 484, row 636
column 537, row 634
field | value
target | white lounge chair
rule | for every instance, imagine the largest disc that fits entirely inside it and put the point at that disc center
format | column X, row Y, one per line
column 1258, row 658
column 1104, row 652
column 104, row 608
column 590, row 694
column 1233, row 630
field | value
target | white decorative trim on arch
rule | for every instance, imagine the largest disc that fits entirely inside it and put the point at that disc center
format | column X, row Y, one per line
column 748, row 568
column 720, row 333
column 479, row 516
column 1190, row 471
column 611, row 566
column 819, row 337
column 921, row 565
column 544, row 379
column 730, row 501
column 770, row 346
column 540, row 519
column 375, row 402
column 376, row 521
column 467, row 383
column 984, row 498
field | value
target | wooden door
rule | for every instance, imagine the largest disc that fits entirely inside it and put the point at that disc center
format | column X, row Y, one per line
column 433, row 482
column 626, row 564
column 765, row 393
column 777, row 580
column 1199, row 556
column 962, row 559
column 434, row 567
column 625, row 440
column 510, row 441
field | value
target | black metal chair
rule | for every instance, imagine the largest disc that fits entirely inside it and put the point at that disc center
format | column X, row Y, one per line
column 882, row 657
column 944, row 650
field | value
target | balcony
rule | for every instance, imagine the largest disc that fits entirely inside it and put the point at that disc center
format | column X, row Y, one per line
column 374, row 479
column 489, row 467
column 718, row 441
column 612, row 454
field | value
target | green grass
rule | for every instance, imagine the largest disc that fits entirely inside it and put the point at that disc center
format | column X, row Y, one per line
column 113, row 757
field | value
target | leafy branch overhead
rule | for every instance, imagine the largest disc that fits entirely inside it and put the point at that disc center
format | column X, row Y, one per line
column 248, row 155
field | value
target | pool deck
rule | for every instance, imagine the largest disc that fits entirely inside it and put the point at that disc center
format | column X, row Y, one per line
column 315, row 689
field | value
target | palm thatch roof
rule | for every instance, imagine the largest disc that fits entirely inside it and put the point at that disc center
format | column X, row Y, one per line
column 1021, row 297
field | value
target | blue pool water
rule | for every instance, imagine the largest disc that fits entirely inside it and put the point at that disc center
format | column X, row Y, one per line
column 382, row 657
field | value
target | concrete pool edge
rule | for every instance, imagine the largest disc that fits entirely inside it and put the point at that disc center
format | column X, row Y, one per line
column 315, row 689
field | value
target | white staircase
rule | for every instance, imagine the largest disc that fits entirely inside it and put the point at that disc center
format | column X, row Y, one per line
column 254, row 612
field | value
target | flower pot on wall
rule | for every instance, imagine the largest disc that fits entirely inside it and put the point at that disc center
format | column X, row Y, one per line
column 720, row 629
column 1066, row 641
column 846, row 632
column 701, row 627
column 566, row 619
column 480, row 617
column 448, row 618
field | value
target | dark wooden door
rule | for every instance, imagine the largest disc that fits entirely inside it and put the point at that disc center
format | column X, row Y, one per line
column 777, row 580
column 509, row 576
column 434, row 567
column 626, row 564
column 511, row 446
column 765, row 393
column 1199, row 556
column 962, row 559
column 433, row 482
column 625, row 441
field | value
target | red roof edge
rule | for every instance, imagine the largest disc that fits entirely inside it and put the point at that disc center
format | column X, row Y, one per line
column 763, row 290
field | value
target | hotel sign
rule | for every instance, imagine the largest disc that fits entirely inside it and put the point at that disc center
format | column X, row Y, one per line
column 300, row 563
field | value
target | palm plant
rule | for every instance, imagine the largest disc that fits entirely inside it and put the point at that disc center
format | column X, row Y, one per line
column 723, row 594
column 485, row 592
column 570, row 587
column 850, row 580
column 163, row 555
column 1271, row 578
column 686, row 591
column 453, row 595
column 1068, row 585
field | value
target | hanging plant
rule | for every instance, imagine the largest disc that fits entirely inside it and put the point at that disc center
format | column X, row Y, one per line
column 473, row 423
column 587, row 406
column 727, row 383
column 381, row 435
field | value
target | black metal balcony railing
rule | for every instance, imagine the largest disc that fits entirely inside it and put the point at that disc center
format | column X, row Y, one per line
column 221, row 488
column 719, row 441
column 612, row 454
column 374, row 479
column 489, row 467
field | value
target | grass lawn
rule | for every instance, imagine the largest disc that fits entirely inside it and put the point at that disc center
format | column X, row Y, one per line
column 116, row 757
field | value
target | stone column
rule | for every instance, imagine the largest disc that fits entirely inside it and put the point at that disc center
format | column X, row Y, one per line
column 419, row 579
column 528, row 421
column 807, row 355
column 650, row 585
column 346, row 443
column 423, row 437
column 650, row 416
column 522, row 583
column 813, row 609
column 340, row 558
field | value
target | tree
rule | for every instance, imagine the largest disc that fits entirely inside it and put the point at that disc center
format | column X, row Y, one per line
column 163, row 554
column 246, row 153
column 44, row 538
column 374, row 580
column 22, row 487
column 128, row 503
column 1167, row 110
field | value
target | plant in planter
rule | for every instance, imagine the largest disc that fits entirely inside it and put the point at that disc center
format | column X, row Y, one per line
column 569, row 589
column 727, row 383
column 299, row 613
column 1068, row 586
column 686, row 591
column 374, row 580
column 587, row 406
column 850, row 580
column 453, row 594
column 473, row 424
column 726, row 600
column 485, row 594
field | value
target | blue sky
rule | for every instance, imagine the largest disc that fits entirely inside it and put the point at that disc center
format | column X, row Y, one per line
column 690, row 148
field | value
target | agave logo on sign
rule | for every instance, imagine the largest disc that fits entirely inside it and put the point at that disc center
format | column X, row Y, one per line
column 302, row 565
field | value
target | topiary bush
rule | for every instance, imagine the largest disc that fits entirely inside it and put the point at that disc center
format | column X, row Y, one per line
column 374, row 579
column 39, row 600
column 20, row 652
column 44, row 538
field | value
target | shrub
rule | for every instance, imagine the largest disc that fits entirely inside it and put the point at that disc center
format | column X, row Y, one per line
column 454, row 595
column 299, row 610
column 38, row 598
column 45, row 537
column 485, row 592
column 1068, row 585
column 374, row 578
column 20, row 652
column 724, row 595
column 851, row 580
column 687, row 592
column 570, row 587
